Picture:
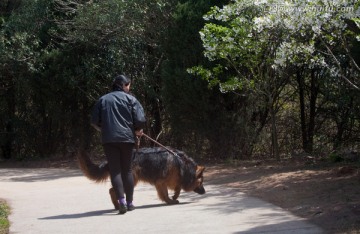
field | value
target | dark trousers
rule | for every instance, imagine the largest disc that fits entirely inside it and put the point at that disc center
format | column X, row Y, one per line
column 119, row 156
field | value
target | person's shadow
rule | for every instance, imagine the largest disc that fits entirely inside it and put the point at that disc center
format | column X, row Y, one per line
column 81, row 215
column 103, row 212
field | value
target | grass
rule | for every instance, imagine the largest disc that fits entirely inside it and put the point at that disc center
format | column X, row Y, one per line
column 4, row 222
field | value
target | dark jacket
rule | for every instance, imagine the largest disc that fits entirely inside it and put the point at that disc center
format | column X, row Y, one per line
column 118, row 115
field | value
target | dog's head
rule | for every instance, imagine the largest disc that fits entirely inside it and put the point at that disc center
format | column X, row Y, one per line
column 199, row 187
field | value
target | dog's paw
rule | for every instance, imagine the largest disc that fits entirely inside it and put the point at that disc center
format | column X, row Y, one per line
column 172, row 202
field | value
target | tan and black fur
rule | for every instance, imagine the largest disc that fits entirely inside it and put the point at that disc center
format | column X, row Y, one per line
column 155, row 166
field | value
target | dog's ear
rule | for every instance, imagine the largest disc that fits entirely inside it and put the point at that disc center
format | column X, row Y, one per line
column 199, row 171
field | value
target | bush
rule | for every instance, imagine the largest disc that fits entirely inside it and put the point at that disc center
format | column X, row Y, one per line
column 4, row 222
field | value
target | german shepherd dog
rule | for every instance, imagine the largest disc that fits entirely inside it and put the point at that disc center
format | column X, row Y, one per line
column 155, row 166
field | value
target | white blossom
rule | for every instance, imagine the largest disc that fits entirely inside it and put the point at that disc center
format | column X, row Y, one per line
column 302, row 22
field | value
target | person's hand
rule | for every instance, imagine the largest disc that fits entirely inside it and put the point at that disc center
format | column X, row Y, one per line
column 139, row 133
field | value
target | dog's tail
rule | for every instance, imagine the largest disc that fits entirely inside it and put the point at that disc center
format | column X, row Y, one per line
column 97, row 173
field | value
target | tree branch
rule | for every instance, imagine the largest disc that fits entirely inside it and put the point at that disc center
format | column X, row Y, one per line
column 339, row 65
column 349, row 54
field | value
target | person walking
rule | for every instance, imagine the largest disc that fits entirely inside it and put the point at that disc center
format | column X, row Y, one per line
column 119, row 117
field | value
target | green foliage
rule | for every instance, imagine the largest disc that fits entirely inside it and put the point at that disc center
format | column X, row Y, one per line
column 66, row 55
column 57, row 57
column 199, row 119
column 334, row 157
column 258, row 45
column 4, row 222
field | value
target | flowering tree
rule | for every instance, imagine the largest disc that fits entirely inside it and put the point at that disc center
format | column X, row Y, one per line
column 256, row 44
column 243, row 59
column 317, row 31
column 318, row 42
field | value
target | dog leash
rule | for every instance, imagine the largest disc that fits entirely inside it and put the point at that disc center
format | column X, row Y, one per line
column 166, row 148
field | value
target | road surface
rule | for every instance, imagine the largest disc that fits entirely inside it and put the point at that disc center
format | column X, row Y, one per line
column 46, row 201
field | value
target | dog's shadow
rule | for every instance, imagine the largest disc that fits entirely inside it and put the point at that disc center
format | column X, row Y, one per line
column 104, row 212
column 160, row 205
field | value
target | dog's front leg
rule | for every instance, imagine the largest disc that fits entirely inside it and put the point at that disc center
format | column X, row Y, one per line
column 164, row 195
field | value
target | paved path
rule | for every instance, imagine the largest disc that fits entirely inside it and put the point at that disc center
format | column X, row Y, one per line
column 64, row 201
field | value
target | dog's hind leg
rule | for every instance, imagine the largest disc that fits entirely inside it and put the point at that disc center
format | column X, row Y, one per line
column 135, row 176
column 113, row 198
column 163, row 194
column 176, row 193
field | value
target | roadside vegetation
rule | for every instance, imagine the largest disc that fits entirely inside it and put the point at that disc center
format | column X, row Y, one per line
column 4, row 222
column 233, row 80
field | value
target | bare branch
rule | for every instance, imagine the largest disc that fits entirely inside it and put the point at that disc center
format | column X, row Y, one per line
column 349, row 54
column 340, row 68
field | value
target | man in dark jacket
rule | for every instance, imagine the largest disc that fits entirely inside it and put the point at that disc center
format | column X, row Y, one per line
column 120, row 117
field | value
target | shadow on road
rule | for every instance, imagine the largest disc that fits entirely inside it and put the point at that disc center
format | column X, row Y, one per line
column 81, row 215
column 102, row 212
column 160, row 205
column 281, row 228
column 38, row 174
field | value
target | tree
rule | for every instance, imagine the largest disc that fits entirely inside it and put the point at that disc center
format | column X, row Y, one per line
column 65, row 54
column 256, row 44
column 19, row 46
column 192, row 116
column 243, row 58
column 317, row 46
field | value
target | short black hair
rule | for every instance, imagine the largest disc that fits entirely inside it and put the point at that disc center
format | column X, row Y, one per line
column 119, row 81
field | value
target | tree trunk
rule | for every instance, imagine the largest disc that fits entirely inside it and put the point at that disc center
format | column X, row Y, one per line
column 274, row 135
column 311, row 127
column 7, row 148
column 302, row 110
column 308, row 127
column 156, row 114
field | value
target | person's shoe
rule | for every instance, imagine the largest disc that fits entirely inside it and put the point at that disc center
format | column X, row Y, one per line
column 130, row 207
column 122, row 209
